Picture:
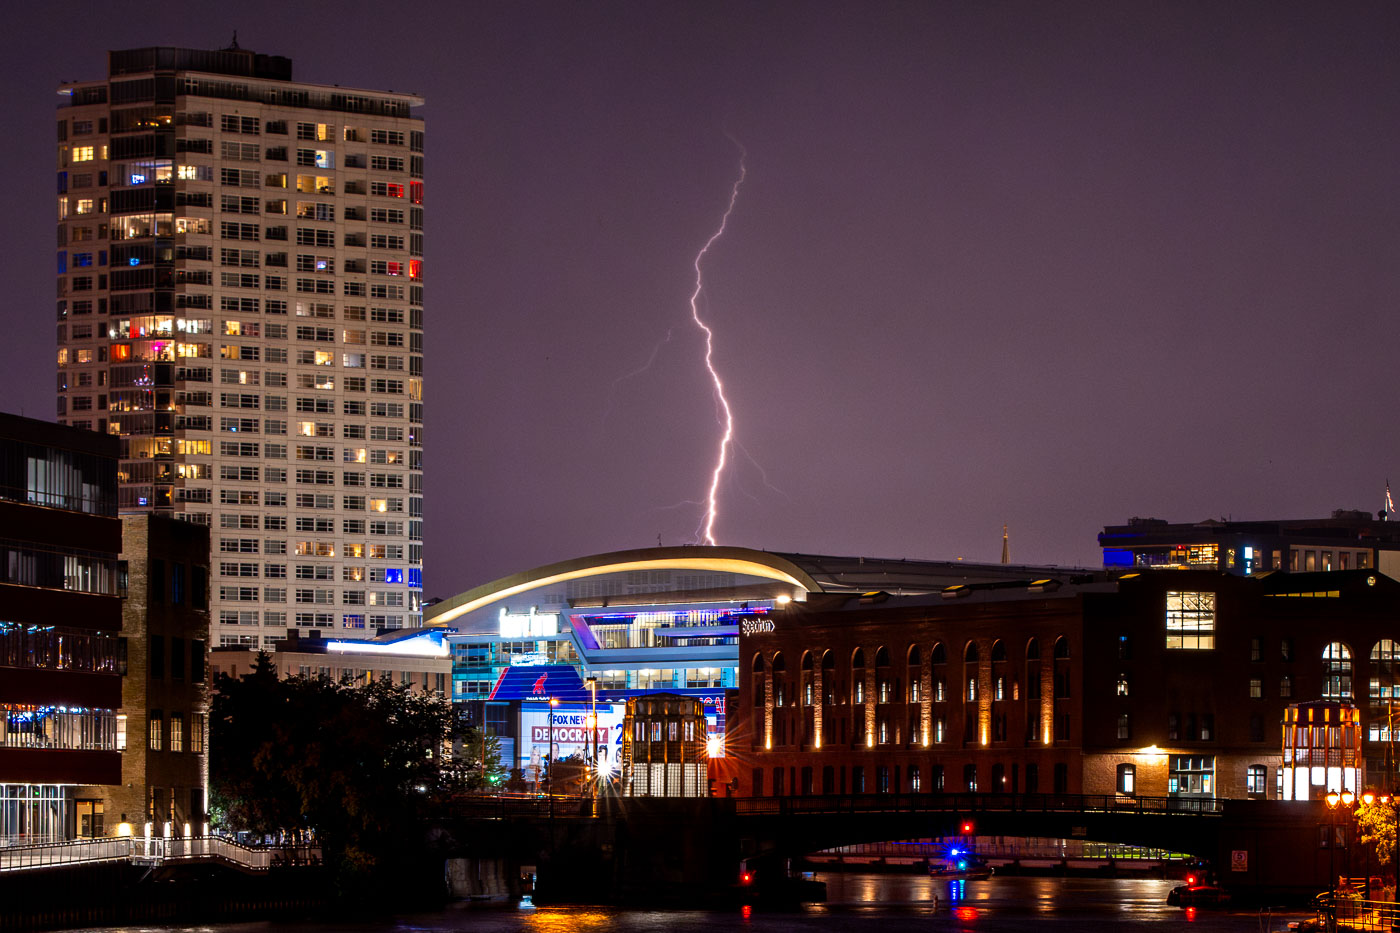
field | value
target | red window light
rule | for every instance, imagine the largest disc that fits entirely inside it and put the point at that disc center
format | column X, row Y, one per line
column 394, row 191
column 415, row 192
column 967, row 828
column 415, row 268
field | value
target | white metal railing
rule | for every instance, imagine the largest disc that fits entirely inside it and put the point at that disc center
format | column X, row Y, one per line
column 155, row 849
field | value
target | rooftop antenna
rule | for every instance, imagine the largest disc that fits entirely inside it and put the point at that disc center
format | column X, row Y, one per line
column 1005, row 545
column 234, row 46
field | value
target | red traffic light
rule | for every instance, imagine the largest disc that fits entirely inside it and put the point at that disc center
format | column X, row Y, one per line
column 1190, row 879
column 967, row 828
column 746, row 877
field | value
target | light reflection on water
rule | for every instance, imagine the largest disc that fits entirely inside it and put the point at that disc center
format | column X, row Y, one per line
column 856, row 903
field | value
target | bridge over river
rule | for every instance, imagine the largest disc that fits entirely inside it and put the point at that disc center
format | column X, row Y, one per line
column 629, row 846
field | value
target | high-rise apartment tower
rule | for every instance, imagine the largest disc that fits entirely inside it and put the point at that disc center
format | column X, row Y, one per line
column 240, row 301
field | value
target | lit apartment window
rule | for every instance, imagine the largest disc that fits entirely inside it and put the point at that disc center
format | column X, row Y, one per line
column 177, row 732
column 1190, row 620
column 1127, row 779
column 156, row 730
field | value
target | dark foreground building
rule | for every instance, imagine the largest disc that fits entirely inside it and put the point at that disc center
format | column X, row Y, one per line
column 60, row 663
column 1158, row 684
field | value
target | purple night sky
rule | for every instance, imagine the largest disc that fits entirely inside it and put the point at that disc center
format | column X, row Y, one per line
column 1048, row 264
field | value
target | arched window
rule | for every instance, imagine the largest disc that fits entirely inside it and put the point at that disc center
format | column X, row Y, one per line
column 914, row 655
column 1033, row 650
column 882, row 657
column 828, row 661
column 938, row 655
column 1336, row 676
column 806, row 660
column 778, row 663
column 858, row 659
column 970, row 652
column 998, row 651
column 1127, row 779
column 1384, row 653
column 858, row 676
column 758, row 692
column 1062, row 647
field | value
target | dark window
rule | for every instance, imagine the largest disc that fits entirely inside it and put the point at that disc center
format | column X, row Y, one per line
column 155, row 591
column 177, row 583
column 1062, row 727
column 1286, row 649
column 758, row 782
column 157, row 657
column 935, row 778
column 199, row 592
column 882, row 779
column 1256, row 649
column 828, row 780
column 1125, row 648
column 970, row 778
column 1062, row 647
column 1061, row 778
column 857, row 780
column 1207, row 727
column 1173, row 726
column 807, row 780
column 1125, row 730
column 1032, row 778
column 177, row 658
column 1256, row 728
column 777, row 782
column 196, row 660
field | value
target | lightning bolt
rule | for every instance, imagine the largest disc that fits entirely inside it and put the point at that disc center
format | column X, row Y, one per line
column 707, row 528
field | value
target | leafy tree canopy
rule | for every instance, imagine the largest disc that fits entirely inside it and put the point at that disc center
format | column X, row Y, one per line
column 362, row 765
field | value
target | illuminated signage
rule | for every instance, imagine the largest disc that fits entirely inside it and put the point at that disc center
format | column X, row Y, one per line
column 755, row 626
column 529, row 625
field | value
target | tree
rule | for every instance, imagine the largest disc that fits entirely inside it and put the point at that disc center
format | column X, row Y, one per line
column 1377, row 824
column 479, row 757
column 362, row 765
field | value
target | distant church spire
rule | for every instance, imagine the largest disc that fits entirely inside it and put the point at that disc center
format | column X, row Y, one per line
column 1005, row 546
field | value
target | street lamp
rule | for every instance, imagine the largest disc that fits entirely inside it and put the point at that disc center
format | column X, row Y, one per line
column 1335, row 801
column 553, row 702
column 592, row 684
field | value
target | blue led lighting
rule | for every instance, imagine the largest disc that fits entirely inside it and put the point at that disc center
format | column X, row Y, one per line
column 1117, row 557
column 133, row 261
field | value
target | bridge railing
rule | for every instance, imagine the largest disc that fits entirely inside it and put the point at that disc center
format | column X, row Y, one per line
column 155, row 849
column 1354, row 913
column 72, row 852
column 501, row 806
column 976, row 803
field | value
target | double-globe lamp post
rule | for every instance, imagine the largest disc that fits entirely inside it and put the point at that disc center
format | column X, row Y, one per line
column 1335, row 801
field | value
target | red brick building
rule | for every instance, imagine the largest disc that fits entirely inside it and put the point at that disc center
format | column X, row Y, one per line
column 1169, row 683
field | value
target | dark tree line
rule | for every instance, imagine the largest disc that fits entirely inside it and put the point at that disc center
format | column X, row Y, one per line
column 366, row 768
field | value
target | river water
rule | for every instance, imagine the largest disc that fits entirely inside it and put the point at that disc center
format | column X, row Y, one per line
column 856, row 903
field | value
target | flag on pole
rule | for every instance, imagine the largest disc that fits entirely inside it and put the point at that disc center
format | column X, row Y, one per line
column 1389, row 505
